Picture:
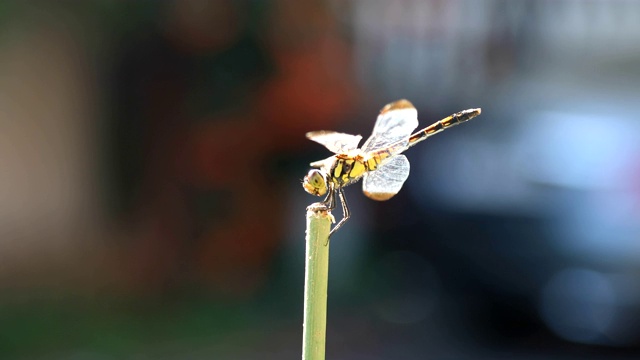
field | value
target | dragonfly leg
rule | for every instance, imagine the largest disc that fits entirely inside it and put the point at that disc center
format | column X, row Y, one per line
column 330, row 200
column 345, row 212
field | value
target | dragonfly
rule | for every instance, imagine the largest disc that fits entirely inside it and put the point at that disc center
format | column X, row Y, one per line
column 379, row 162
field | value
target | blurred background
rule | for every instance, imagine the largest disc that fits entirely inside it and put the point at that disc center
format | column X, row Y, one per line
column 151, row 154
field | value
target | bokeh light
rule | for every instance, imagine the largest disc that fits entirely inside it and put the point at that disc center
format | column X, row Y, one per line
column 151, row 155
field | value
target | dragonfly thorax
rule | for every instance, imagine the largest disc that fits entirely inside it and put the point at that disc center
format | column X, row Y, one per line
column 348, row 168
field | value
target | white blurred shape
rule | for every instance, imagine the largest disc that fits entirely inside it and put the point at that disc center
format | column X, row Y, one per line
column 579, row 150
column 589, row 161
column 468, row 174
column 49, row 179
column 579, row 305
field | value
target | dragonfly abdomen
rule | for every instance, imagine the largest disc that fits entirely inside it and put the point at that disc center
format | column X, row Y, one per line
column 377, row 158
column 449, row 121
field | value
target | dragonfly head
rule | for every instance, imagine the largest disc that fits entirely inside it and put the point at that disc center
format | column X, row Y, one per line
column 315, row 183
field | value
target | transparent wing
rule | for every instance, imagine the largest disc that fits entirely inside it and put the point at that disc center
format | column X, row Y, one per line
column 393, row 126
column 324, row 163
column 386, row 180
column 338, row 143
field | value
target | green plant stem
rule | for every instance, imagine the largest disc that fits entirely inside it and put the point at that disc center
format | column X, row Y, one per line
column 315, row 282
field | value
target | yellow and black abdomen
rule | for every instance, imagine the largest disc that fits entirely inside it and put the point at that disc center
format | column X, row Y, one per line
column 374, row 159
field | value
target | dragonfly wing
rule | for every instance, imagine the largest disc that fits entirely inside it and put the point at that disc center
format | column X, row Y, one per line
column 386, row 180
column 338, row 143
column 324, row 163
column 393, row 127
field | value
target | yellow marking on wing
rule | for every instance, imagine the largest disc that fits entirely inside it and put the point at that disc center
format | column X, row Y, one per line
column 379, row 196
column 397, row 105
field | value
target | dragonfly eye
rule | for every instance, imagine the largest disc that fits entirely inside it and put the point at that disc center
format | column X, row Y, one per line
column 314, row 183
